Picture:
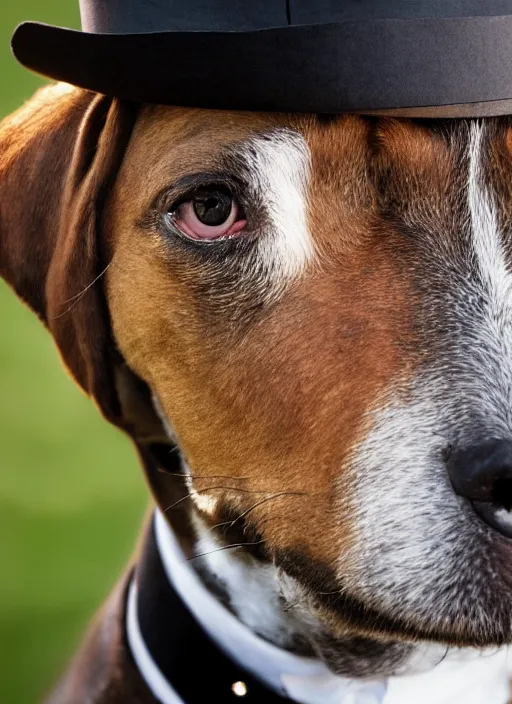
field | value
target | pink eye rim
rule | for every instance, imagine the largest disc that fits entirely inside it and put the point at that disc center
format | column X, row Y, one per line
column 210, row 214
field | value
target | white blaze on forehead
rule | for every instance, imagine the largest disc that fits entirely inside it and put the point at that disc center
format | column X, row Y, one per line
column 485, row 234
column 490, row 362
column 279, row 164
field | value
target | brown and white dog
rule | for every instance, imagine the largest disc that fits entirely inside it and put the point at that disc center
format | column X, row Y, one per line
column 317, row 358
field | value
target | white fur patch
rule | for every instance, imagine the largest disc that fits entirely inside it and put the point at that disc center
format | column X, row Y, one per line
column 492, row 362
column 484, row 225
column 406, row 514
column 487, row 239
column 253, row 588
column 279, row 164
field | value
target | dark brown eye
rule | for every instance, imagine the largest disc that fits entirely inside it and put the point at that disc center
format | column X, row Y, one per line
column 210, row 214
column 212, row 206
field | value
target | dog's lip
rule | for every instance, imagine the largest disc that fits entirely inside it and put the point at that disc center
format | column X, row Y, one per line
column 494, row 515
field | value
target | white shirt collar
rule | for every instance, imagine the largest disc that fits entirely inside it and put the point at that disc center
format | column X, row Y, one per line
column 467, row 676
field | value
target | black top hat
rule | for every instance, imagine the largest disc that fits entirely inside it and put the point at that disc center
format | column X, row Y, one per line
column 434, row 58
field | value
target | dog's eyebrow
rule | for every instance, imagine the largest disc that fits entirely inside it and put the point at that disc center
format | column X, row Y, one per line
column 234, row 164
column 173, row 192
column 197, row 179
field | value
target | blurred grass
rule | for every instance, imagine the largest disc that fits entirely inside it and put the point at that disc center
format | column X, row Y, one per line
column 71, row 493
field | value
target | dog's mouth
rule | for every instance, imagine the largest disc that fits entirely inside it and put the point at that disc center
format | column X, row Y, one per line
column 388, row 641
column 357, row 641
column 473, row 613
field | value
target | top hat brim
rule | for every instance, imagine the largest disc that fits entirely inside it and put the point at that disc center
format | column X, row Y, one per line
column 458, row 67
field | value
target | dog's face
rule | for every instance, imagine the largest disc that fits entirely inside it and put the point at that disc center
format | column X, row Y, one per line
column 322, row 310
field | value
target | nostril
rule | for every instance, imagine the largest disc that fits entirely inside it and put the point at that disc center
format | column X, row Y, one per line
column 483, row 474
column 502, row 493
column 479, row 471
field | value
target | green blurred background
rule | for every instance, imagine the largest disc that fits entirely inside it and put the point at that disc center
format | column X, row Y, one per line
column 71, row 494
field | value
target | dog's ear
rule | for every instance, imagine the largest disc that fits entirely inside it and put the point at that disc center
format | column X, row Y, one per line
column 59, row 156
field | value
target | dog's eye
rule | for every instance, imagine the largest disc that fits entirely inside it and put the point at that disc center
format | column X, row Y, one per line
column 211, row 213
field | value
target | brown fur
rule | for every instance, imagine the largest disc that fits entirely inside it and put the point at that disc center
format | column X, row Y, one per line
column 276, row 399
column 260, row 419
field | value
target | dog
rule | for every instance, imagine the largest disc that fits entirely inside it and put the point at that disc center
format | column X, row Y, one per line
column 304, row 322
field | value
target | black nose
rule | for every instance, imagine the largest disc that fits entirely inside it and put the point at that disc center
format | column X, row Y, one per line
column 483, row 474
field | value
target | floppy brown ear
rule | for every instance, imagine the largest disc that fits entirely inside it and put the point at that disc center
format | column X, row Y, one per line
column 59, row 156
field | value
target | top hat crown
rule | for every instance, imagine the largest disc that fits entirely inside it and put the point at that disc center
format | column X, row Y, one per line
column 432, row 58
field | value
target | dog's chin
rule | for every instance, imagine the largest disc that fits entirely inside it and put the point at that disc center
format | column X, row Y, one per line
column 356, row 636
column 482, row 621
column 361, row 657
column 357, row 641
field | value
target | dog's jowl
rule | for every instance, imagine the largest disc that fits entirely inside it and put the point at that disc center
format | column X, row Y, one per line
column 305, row 325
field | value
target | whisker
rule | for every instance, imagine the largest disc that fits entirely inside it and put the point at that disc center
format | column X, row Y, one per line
column 258, row 503
column 211, row 488
column 445, row 655
column 173, row 450
column 184, row 475
column 78, row 297
column 269, row 498
column 176, row 503
column 225, row 547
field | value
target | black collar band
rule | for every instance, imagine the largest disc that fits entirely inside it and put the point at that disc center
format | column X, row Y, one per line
column 185, row 657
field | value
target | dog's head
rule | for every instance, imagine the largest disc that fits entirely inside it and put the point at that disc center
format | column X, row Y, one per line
column 321, row 310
